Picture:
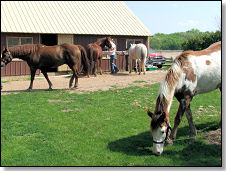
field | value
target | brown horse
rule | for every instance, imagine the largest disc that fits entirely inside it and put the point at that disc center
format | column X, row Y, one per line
column 42, row 57
column 94, row 52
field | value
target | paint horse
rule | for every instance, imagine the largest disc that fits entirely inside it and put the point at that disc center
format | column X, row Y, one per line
column 138, row 52
column 42, row 57
column 192, row 73
column 95, row 53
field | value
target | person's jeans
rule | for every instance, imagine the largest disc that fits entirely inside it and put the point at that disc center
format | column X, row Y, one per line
column 113, row 66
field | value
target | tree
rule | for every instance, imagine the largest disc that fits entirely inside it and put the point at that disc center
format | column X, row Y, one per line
column 201, row 42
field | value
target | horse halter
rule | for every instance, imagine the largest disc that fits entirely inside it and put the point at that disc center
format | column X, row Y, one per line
column 166, row 137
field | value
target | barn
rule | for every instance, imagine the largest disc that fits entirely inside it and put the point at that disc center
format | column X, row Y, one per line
column 77, row 22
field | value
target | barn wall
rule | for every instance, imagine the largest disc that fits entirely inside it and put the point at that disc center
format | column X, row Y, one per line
column 4, row 35
column 19, row 67
column 84, row 40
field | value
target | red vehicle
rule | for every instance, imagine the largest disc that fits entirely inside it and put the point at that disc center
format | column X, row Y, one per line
column 155, row 59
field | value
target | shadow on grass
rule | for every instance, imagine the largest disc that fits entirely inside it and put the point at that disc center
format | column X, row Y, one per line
column 195, row 153
column 137, row 145
column 141, row 144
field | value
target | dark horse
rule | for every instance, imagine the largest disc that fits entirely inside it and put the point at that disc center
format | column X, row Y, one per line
column 42, row 57
column 94, row 52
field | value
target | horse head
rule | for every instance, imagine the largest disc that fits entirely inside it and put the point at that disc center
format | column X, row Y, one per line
column 107, row 42
column 6, row 57
column 159, row 127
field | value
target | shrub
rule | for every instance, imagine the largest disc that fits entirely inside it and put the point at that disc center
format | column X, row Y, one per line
column 202, row 41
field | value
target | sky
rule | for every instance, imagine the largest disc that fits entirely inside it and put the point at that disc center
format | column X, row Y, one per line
column 177, row 16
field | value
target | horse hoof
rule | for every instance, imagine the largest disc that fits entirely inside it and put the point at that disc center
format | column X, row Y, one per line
column 50, row 89
column 29, row 90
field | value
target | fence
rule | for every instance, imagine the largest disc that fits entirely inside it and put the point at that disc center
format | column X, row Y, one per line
column 19, row 67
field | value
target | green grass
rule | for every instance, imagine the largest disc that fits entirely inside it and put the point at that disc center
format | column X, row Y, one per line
column 103, row 128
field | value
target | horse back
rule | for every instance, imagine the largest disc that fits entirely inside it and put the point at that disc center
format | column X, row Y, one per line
column 201, row 70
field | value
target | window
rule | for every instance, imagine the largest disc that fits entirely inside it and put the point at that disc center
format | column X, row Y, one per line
column 133, row 41
column 13, row 41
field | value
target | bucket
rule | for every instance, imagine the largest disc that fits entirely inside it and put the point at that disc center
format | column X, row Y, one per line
column 151, row 69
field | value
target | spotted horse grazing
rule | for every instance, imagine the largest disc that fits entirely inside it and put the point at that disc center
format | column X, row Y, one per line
column 192, row 73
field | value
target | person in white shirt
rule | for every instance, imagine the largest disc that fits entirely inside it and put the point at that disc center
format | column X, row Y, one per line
column 112, row 54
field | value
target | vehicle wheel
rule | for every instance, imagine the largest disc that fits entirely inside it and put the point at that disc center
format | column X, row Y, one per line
column 159, row 66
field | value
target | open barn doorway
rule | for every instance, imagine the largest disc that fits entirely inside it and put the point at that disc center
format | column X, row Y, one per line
column 49, row 40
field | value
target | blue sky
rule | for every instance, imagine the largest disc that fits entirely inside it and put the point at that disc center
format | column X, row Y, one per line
column 177, row 16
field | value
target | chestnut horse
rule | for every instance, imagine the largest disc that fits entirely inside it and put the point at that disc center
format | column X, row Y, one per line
column 192, row 73
column 94, row 52
column 42, row 57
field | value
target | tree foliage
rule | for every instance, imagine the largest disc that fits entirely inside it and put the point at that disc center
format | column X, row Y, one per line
column 201, row 42
column 192, row 39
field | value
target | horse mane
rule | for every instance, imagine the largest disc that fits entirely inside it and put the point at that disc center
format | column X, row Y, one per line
column 23, row 50
column 100, row 41
column 168, row 85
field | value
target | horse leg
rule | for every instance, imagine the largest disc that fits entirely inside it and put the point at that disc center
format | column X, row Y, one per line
column 100, row 62
column 95, row 68
column 75, row 75
column 143, row 66
column 49, row 82
column 130, row 65
column 71, row 81
column 178, row 119
column 32, row 73
column 136, row 65
column 92, row 66
column 192, row 127
column 140, row 66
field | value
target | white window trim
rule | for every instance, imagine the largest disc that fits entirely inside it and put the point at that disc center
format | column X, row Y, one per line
column 141, row 40
column 17, row 37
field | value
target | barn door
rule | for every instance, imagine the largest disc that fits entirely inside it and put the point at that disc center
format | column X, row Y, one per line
column 63, row 38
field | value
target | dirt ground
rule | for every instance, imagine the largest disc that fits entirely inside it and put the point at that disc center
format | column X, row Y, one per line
column 101, row 82
column 213, row 137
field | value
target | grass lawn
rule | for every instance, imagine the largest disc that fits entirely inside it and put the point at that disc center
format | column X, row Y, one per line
column 103, row 128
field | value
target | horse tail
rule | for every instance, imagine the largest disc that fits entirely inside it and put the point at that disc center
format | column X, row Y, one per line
column 90, row 57
column 143, row 53
column 84, row 59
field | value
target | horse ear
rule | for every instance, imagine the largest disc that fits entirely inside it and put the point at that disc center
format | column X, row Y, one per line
column 149, row 113
column 162, row 117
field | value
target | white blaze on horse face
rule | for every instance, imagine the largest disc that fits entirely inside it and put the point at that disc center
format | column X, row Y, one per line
column 159, row 135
